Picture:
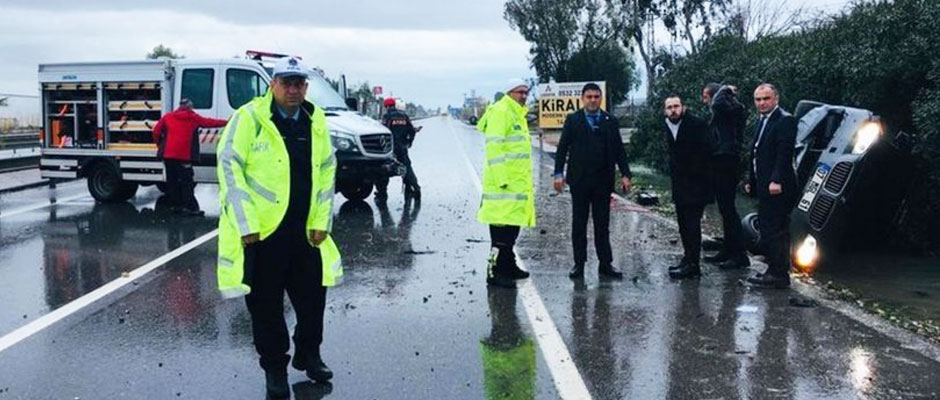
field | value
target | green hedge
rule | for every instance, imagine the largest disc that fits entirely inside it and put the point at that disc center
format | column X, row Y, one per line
column 883, row 56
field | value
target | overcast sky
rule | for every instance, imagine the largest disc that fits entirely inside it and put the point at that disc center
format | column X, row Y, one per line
column 429, row 52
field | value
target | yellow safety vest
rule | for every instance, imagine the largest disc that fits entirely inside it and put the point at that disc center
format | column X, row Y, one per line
column 254, row 189
column 508, row 194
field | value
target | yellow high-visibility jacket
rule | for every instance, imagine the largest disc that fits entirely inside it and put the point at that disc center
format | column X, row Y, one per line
column 508, row 194
column 254, row 189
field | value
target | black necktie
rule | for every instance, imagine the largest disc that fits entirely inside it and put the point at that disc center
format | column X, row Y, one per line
column 760, row 129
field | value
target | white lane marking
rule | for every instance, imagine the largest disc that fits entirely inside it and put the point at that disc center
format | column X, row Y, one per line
column 76, row 305
column 40, row 206
column 568, row 380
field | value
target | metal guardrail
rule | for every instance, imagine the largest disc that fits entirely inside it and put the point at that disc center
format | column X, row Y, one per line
column 19, row 149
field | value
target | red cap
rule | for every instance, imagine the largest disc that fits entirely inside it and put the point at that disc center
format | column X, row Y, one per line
column 389, row 102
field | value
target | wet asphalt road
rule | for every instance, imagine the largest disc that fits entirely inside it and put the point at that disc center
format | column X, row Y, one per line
column 413, row 318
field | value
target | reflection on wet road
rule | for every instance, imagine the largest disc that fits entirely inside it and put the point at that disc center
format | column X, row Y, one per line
column 413, row 318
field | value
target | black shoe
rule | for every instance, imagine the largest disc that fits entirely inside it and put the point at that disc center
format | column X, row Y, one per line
column 688, row 270
column 299, row 362
column 608, row 271
column 677, row 267
column 736, row 262
column 518, row 273
column 576, row 272
column 501, row 281
column 318, row 371
column 719, row 257
column 276, row 385
column 769, row 281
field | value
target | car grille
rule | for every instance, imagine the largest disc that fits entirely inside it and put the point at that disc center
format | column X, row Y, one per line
column 377, row 144
column 819, row 214
column 838, row 177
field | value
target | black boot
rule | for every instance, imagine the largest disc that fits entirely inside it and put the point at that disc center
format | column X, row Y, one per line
column 577, row 271
column 318, row 371
column 494, row 274
column 276, row 385
column 736, row 261
column 688, row 270
column 608, row 271
column 514, row 272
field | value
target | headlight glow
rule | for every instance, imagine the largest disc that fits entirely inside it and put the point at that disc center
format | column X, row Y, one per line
column 866, row 136
column 807, row 253
column 342, row 141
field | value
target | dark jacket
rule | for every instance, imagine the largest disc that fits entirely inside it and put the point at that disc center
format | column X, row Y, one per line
column 403, row 132
column 727, row 123
column 690, row 161
column 774, row 156
column 573, row 149
column 176, row 134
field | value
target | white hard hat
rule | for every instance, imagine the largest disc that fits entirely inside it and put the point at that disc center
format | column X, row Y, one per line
column 515, row 83
column 289, row 66
column 400, row 104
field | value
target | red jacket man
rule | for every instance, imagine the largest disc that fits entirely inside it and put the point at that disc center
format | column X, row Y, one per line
column 178, row 141
column 177, row 129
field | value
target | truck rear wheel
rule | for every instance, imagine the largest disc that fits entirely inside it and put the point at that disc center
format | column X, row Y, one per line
column 356, row 191
column 105, row 184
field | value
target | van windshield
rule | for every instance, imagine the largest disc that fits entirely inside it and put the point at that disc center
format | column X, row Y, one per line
column 321, row 93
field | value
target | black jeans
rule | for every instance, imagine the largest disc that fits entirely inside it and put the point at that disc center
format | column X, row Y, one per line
column 284, row 261
column 410, row 180
column 774, row 216
column 503, row 237
column 727, row 174
column 593, row 199
column 689, row 217
column 180, row 185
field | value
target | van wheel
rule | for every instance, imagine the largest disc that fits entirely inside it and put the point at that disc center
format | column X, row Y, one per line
column 105, row 184
column 357, row 191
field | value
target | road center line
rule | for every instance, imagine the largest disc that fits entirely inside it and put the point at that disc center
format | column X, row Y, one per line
column 568, row 380
column 78, row 304
column 40, row 206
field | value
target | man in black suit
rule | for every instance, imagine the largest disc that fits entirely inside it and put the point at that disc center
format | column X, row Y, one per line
column 690, row 150
column 727, row 125
column 591, row 145
column 773, row 180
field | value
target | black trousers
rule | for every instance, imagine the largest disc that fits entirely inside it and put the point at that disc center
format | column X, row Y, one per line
column 595, row 200
column 410, row 179
column 180, row 185
column 774, row 216
column 727, row 174
column 503, row 237
column 689, row 217
column 282, row 262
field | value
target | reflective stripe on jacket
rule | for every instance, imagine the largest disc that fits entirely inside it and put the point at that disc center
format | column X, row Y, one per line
column 508, row 194
column 254, row 189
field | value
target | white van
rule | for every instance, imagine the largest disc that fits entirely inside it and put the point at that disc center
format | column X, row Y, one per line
column 98, row 117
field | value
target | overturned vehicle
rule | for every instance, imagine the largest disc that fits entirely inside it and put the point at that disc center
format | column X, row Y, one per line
column 853, row 181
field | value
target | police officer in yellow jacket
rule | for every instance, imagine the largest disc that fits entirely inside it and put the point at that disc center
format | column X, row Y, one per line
column 508, row 202
column 276, row 180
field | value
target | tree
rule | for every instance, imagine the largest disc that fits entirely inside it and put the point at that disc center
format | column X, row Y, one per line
column 162, row 51
column 689, row 21
column 574, row 40
column 756, row 19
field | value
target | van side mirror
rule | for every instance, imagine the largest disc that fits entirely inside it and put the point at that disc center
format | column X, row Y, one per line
column 352, row 103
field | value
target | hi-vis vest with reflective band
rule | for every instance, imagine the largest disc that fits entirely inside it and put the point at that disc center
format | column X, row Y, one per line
column 508, row 195
column 254, row 189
